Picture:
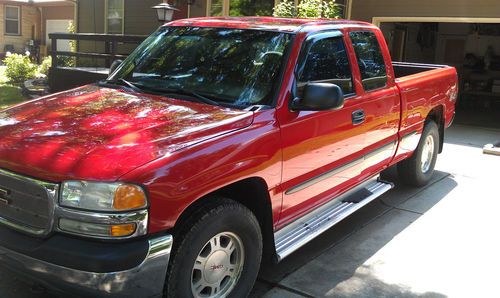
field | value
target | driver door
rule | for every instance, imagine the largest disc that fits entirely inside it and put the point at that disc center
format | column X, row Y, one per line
column 322, row 150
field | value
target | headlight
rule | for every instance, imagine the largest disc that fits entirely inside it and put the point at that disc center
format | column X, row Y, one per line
column 102, row 210
column 97, row 196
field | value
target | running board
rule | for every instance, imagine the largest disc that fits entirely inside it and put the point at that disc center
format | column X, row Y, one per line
column 311, row 225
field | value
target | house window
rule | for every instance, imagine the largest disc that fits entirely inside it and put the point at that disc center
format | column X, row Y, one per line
column 12, row 23
column 114, row 16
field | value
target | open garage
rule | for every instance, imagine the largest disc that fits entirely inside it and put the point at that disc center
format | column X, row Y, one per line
column 464, row 34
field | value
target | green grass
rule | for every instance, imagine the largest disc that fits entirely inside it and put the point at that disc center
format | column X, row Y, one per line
column 9, row 93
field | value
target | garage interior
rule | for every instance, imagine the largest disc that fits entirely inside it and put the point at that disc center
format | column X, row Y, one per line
column 473, row 48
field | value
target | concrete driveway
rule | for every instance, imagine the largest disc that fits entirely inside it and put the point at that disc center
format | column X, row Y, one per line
column 441, row 240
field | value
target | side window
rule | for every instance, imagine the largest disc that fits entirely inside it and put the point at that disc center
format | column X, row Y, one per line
column 370, row 60
column 327, row 62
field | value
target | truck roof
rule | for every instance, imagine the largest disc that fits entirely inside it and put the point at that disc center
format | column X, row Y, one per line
column 266, row 23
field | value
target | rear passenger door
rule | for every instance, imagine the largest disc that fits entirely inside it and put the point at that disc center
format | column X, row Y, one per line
column 380, row 99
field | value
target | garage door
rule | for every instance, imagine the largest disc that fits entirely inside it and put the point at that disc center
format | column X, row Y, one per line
column 59, row 26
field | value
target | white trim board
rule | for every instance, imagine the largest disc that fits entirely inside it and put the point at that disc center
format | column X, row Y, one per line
column 377, row 20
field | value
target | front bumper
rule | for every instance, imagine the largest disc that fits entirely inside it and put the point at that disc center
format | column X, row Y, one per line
column 144, row 280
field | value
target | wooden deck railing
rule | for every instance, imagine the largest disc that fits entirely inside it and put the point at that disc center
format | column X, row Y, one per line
column 111, row 42
column 63, row 78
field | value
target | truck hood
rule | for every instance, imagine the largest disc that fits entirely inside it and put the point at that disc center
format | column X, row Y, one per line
column 98, row 133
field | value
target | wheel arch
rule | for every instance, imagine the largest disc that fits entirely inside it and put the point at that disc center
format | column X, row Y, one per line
column 436, row 114
column 252, row 193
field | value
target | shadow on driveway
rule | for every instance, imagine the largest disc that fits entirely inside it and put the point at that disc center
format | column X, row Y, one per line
column 341, row 252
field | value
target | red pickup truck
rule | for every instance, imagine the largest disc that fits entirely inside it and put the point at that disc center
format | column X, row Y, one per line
column 219, row 142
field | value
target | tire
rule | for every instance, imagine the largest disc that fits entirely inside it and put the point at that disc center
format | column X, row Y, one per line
column 206, row 239
column 419, row 168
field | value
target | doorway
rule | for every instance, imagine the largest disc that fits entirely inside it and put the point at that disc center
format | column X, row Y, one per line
column 472, row 48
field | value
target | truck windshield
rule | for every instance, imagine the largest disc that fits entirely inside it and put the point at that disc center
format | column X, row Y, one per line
column 228, row 66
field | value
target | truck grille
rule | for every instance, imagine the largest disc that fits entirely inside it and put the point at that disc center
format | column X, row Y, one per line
column 26, row 204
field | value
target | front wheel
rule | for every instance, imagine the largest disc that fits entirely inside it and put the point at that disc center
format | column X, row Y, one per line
column 218, row 253
column 419, row 168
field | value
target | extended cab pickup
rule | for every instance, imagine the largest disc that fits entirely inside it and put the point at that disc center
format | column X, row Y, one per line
column 218, row 142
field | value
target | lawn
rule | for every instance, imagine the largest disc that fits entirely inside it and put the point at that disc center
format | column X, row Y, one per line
column 9, row 94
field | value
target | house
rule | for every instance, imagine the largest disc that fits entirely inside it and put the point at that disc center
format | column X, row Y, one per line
column 25, row 24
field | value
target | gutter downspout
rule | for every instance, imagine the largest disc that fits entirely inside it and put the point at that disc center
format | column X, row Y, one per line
column 349, row 9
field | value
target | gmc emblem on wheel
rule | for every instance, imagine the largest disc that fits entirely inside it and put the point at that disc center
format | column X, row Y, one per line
column 216, row 267
column 3, row 196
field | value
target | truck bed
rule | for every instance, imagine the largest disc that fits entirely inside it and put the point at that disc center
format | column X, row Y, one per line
column 423, row 86
column 402, row 69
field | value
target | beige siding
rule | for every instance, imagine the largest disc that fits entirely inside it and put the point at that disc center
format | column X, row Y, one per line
column 30, row 22
column 365, row 10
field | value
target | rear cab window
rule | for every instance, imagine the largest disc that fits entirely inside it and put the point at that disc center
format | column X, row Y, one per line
column 370, row 59
column 326, row 61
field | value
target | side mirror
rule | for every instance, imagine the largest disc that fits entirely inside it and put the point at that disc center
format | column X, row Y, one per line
column 114, row 66
column 319, row 97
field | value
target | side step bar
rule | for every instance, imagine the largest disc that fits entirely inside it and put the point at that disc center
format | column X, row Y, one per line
column 311, row 225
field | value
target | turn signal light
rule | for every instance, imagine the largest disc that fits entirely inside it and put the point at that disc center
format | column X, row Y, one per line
column 129, row 197
column 95, row 229
column 122, row 230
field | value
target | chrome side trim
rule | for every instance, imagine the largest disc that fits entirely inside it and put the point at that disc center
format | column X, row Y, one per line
column 341, row 168
column 379, row 150
column 409, row 141
column 323, row 176
column 140, row 218
column 145, row 280
column 311, row 225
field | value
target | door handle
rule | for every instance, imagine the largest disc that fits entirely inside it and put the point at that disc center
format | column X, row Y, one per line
column 358, row 117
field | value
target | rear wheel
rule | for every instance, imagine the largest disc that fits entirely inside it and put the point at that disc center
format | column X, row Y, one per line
column 217, row 254
column 419, row 168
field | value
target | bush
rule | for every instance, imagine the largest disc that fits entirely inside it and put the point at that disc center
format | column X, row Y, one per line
column 68, row 61
column 46, row 64
column 285, row 9
column 19, row 68
column 308, row 9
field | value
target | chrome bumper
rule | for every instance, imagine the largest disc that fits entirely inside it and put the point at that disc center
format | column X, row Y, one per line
column 145, row 280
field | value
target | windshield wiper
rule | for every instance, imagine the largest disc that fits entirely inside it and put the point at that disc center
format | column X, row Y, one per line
column 191, row 93
column 123, row 82
column 142, row 88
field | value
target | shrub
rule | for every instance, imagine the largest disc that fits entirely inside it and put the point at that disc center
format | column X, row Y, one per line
column 308, row 9
column 285, row 9
column 19, row 68
column 46, row 64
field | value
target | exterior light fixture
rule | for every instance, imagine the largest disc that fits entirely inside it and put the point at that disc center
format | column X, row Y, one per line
column 165, row 12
